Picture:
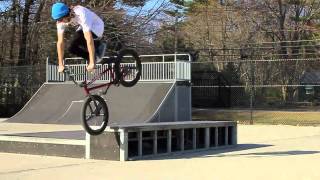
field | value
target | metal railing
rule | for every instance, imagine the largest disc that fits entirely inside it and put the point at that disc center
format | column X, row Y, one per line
column 178, row 69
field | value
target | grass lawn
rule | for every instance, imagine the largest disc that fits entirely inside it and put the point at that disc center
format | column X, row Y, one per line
column 260, row 116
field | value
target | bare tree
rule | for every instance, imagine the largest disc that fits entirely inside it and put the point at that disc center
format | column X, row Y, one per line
column 24, row 32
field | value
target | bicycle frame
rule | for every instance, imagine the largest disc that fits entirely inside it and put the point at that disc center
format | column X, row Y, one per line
column 86, row 84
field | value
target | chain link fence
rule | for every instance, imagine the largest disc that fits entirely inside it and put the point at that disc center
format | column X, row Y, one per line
column 275, row 91
column 17, row 85
column 249, row 91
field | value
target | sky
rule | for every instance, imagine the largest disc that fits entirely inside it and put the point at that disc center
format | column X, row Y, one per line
column 150, row 5
column 4, row 5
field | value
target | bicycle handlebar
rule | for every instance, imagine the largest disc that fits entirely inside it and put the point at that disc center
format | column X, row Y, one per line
column 69, row 75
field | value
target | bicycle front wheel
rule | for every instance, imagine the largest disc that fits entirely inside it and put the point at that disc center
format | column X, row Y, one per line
column 95, row 115
column 128, row 68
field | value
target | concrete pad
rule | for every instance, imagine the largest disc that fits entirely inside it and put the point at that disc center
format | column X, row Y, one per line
column 264, row 153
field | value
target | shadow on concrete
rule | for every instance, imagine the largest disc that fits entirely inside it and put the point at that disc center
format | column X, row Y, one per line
column 210, row 153
column 280, row 153
column 232, row 152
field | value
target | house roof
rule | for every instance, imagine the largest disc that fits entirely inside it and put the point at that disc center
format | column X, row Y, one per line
column 312, row 77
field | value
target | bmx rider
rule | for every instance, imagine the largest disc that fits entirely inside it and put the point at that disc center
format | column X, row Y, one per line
column 86, row 41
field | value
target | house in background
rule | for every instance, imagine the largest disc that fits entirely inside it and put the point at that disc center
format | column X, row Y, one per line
column 310, row 89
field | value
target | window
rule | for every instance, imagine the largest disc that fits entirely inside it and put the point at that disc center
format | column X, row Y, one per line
column 309, row 90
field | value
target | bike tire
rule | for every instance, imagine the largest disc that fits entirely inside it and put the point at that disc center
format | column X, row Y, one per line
column 96, row 100
column 135, row 66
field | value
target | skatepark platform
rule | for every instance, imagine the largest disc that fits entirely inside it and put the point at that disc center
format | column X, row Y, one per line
column 150, row 119
column 125, row 142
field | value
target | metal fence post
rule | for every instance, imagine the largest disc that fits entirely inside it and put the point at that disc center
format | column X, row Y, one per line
column 47, row 69
column 252, row 91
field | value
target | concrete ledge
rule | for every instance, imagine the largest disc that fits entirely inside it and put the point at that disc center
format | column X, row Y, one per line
column 170, row 125
column 48, row 149
column 32, row 144
column 42, row 140
column 148, row 140
column 3, row 119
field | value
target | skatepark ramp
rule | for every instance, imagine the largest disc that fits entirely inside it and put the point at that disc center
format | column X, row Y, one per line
column 61, row 103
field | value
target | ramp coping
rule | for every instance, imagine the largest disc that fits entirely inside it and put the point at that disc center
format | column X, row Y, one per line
column 160, row 105
column 170, row 125
column 26, row 105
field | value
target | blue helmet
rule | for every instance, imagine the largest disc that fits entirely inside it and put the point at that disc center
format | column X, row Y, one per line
column 59, row 10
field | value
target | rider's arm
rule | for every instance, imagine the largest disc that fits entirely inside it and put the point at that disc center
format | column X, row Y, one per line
column 60, row 49
column 90, row 45
column 60, row 45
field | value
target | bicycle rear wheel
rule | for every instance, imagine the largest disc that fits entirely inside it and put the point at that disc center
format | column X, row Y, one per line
column 128, row 69
column 95, row 115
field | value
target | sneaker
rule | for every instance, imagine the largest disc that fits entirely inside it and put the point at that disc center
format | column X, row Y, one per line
column 100, row 52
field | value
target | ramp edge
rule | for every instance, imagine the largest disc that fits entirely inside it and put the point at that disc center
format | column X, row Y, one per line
column 25, row 106
column 15, row 138
column 162, row 102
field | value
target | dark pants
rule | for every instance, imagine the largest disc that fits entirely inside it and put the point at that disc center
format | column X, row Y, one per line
column 78, row 45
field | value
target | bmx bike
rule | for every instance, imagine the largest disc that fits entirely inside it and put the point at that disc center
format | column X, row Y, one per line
column 124, row 68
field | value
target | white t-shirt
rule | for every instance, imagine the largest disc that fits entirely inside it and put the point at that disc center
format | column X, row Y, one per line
column 86, row 20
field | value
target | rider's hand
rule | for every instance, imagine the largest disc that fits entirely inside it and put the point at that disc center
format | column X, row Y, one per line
column 60, row 69
column 90, row 67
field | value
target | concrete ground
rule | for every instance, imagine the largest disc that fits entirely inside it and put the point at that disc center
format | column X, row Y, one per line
column 264, row 153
